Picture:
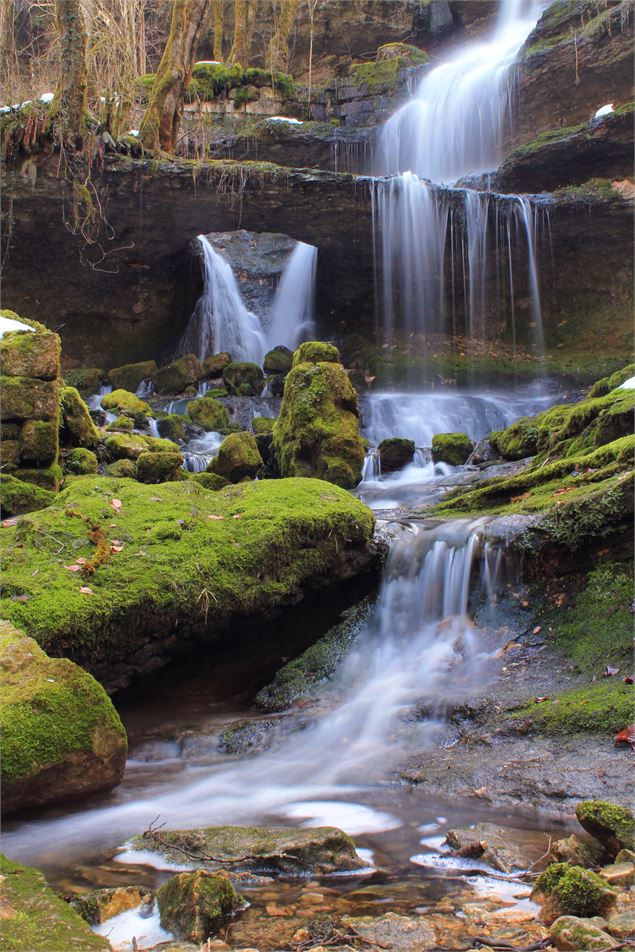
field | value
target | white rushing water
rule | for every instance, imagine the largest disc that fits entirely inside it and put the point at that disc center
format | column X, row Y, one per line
column 291, row 317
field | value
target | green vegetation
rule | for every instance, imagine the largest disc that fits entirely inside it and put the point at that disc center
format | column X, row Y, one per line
column 18, row 496
column 194, row 905
column 452, row 448
column 159, row 467
column 315, row 352
column 171, row 426
column 603, row 708
column 595, row 188
column 81, row 462
column 214, row 80
column 608, row 384
column 385, row 74
column 126, row 403
column 208, row 413
column 575, row 891
column 77, row 427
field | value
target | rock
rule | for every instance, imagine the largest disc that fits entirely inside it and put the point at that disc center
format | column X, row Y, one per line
column 48, row 477
column 193, row 906
column 125, row 446
column 317, row 431
column 278, row 361
column 244, row 379
column 573, row 891
column 619, row 874
column 483, row 452
column 18, row 496
column 126, row 403
column 316, row 351
column 99, row 905
column 176, row 377
column 612, row 825
column 172, row 426
column 574, row 934
column 122, row 424
column 238, row 458
column 243, row 736
column 395, row 453
column 287, row 535
column 211, row 481
column 262, row 425
column 576, row 851
column 77, row 427
column 275, row 384
column 622, row 924
column 321, row 850
column 61, row 736
column 31, row 354
column 129, row 376
column 625, row 856
column 81, row 462
column 87, row 380
column 208, row 414
column 25, row 398
column 394, row 932
column 157, row 444
column 34, row 919
column 452, row 448
column 122, row 468
column 490, row 843
column 607, row 384
column 38, row 441
column 214, row 365
column 159, row 467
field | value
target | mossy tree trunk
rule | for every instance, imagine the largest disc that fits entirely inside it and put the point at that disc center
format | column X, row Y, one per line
column 69, row 107
column 218, row 30
column 278, row 53
column 160, row 124
column 244, row 22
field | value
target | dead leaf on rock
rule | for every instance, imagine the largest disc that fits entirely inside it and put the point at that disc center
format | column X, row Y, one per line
column 85, row 590
column 73, row 568
column 116, row 504
column 116, row 548
column 627, row 736
column 82, row 561
column 609, row 671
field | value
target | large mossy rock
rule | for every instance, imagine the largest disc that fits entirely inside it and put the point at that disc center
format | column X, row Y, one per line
column 612, row 825
column 321, row 850
column 34, row 919
column 81, row 462
column 176, row 377
column 395, row 453
column 193, row 906
column 60, row 734
column 34, row 353
column 129, row 376
column 208, row 413
column 159, row 467
column 243, row 379
column 77, row 427
column 316, row 352
column 238, row 458
column 18, row 496
column 451, row 448
column 278, row 361
column 126, row 403
column 317, row 431
column 214, row 365
column 171, row 426
column 87, row 380
column 573, row 891
column 252, row 548
column 125, row 446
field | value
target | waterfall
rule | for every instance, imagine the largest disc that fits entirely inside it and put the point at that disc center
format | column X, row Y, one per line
column 291, row 318
column 220, row 321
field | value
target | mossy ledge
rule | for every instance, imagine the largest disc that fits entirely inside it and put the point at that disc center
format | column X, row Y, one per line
column 187, row 563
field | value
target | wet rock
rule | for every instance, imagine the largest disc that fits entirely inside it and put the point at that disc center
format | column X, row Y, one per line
column 391, row 931
column 253, row 735
column 126, row 403
column 395, row 453
column 125, row 446
column 98, row 905
column 243, row 379
column 77, row 427
column 573, row 934
column 193, row 906
column 172, row 426
column 87, row 380
column 316, row 351
column 18, row 496
column 321, row 850
column 278, row 361
column 208, row 413
column 452, row 448
column 61, row 736
column 122, row 424
column 159, row 467
column 275, row 384
column 576, row 851
column 621, row 924
column 81, row 462
column 491, row 844
column 35, row 919
column 177, row 376
column 573, row 891
column 619, row 874
column 31, row 354
column 214, row 365
column 483, row 453
column 612, row 825
column 238, row 458
column 129, row 376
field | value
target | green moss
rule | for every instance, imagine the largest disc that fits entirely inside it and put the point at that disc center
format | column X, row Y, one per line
column 29, row 354
column 316, row 351
column 603, row 708
column 39, row 442
column 129, row 376
column 452, row 448
column 48, row 477
column 172, row 426
column 122, row 468
column 395, row 453
column 159, row 467
column 613, row 825
column 386, row 74
column 279, row 360
column 208, row 413
column 179, row 375
column 595, row 188
column 214, row 365
column 194, row 905
column 238, row 458
column 82, row 462
column 25, row 398
column 286, row 533
column 610, row 383
column 157, row 444
column 575, row 891
column 77, row 427
column 126, row 403
column 86, row 380
column 244, row 379
column 17, row 496
column 36, row 920
column 245, row 94
column 262, row 425
column 125, row 446
column 210, row 481
column 122, row 424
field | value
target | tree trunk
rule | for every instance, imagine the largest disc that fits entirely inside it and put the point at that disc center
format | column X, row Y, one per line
column 218, row 30
column 279, row 44
column 69, row 107
column 160, row 124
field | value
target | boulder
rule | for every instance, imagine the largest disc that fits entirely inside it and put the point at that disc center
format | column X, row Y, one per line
column 612, row 825
column 125, row 446
column 126, row 403
column 238, row 458
column 210, row 481
column 214, row 365
column 38, row 441
column 122, row 424
column 35, row 919
column 129, row 376
column 315, row 352
column 77, row 427
column 573, row 891
column 319, row 851
column 317, row 431
column 122, row 468
column 619, row 874
column 573, row 934
column 81, row 462
column 32, row 354
column 395, row 453
column 452, row 448
column 159, row 467
column 576, row 851
column 18, row 496
column 61, row 736
column 278, row 361
column 243, row 379
column 157, row 444
column 172, row 426
column 193, row 906
column 208, row 413
column 176, row 377
column 87, row 380
column 28, row 398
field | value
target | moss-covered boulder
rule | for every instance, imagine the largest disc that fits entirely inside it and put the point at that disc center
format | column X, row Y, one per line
column 193, row 906
column 574, row 934
column 451, row 448
column 176, row 377
column 34, row 919
column 317, row 432
column 238, row 458
column 125, row 446
column 316, row 352
column 127, row 404
column 87, row 380
column 607, row 384
column 38, row 441
column 321, row 850
column 157, row 444
column 395, row 453
column 255, row 546
column 122, row 424
column 211, row 481
column 263, row 431
column 275, row 385
column 159, row 467
column 278, row 361
column 60, row 734
column 262, row 425
column 77, row 427
column 208, row 413
column 214, row 365
column 18, row 496
column 122, row 469
column 27, row 398
column 34, row 354
column 47, row 477
column 612, row 825
column 243, row 379
column 573, row 891
column 129, row 376
column 81, row 462
column 171, row 426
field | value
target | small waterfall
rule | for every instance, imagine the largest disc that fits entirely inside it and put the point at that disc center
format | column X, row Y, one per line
column 220, row 321
column 199, row 453
column 371, row 470
column 291, row 318
column 94, row 401
column 146, row 388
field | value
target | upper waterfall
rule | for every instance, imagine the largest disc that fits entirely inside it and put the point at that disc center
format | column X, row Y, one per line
column 291, row 315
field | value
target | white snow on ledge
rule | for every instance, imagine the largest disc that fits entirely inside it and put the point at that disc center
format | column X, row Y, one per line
column 604, row 111
column 8, row 324
column 293, row 122
column 628, row 384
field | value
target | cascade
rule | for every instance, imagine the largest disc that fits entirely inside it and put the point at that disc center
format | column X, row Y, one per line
column 292, row 310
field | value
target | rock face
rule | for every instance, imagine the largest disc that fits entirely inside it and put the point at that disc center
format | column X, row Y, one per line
column 255, row 546
column 61, row 736
column 193, row 906
column 257, row 260
column 30, row 403
column 35, row 919
column 321, row 850
column 317, row 431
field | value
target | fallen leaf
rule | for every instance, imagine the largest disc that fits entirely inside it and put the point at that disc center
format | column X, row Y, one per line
column 116, row 548
column 627, row 679
column 6, row 523
column 20, row 598
column 85, row 590
column 82, row 561
column 216, row 517
column 116, row 504
column 238, row 515
column 539, row 700
column 537, row 629
column 559, row 492
column 73, row 568
column 33, row 574
column 627, row 736
column 609, row 671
